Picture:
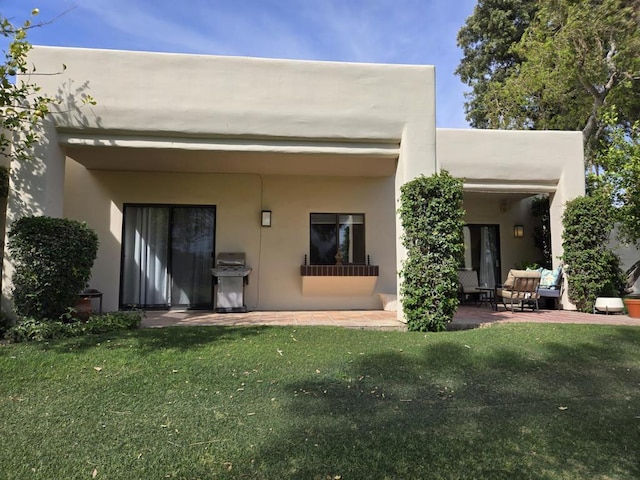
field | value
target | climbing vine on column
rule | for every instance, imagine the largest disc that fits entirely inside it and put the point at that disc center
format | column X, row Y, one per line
column 431, row 214
column 593, row 270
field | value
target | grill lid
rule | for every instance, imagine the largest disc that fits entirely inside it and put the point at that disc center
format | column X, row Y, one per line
column 231, row 259
column 226, row 271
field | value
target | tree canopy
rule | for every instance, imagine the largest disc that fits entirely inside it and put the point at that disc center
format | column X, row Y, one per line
column 21, row 105
column 486, row 40
column 552, row 64
column 619, row 180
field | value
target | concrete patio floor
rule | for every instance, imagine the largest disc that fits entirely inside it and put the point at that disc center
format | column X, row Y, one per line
column 466, row 317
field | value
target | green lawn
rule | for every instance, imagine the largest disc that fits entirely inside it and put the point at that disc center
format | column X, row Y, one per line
column 506, row 402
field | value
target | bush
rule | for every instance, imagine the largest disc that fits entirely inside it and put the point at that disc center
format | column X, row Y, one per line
column 53, row 259
column 37, row 330
column 431, row 214
column 593, row 270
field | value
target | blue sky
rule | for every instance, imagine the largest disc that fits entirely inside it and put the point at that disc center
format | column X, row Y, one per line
column 379, row 31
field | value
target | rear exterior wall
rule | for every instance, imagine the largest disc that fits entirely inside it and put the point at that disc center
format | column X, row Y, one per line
column 275, row 254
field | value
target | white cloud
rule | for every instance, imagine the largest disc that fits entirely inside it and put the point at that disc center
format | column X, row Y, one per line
column 134, row 20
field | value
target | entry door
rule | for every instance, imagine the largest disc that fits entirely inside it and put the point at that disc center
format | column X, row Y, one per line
column 482, row 252
column 167, row 256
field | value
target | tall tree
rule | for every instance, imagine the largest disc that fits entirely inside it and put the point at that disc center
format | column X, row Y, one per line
column 620, row 178
column 21, row 105
column 575, row 59
column 487, row 41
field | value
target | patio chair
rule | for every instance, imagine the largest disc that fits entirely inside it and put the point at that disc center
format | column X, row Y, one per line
column 519, row 289
column 469, row 286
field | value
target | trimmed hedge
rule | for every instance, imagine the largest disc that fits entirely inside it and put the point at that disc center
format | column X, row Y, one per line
column 53, row 259
column 431, row 214
column 593, row 270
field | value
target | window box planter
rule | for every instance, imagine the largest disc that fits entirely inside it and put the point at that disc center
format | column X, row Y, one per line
column 338, row 280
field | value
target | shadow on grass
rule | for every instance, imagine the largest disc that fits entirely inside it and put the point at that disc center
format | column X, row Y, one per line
column 556, row 411
column 150, row 340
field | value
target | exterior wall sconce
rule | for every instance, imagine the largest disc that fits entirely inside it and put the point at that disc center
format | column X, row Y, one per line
column 265, row 220
column 518, row 231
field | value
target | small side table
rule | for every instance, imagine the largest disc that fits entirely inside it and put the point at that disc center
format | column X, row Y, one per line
column 486, row 295
column 92, row 293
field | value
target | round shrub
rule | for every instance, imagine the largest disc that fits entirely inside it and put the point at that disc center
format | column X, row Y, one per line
column 53, row 259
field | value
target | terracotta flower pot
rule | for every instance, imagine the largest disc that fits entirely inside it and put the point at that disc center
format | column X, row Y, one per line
column 633, row 306
column 83, row 308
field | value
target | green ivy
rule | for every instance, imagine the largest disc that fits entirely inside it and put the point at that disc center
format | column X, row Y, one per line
column 53, row 259
column 431, row 215
column 593, row 270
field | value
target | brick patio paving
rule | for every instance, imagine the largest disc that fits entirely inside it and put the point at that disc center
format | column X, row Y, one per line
column 466, row 317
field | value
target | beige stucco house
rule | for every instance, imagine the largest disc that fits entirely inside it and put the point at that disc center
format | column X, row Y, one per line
column 182, row 153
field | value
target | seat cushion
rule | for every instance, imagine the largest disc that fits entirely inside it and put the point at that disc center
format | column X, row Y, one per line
column 509, row 281
column 549, row 292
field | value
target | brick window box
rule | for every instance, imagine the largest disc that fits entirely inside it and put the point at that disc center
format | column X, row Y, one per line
column 338, row 280
column 339, row 270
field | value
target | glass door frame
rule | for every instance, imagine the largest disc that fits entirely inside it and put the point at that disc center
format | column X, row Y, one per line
column 498, row 253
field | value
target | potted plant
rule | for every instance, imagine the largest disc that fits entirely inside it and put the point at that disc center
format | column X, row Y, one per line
column 632, row 303
column 83, row 309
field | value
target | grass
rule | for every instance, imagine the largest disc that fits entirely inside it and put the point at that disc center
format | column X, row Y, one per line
column 506, row 402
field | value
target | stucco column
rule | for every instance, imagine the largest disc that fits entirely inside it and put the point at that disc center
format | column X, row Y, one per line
column 417, row 157
column 36, row 187
column 569, row 187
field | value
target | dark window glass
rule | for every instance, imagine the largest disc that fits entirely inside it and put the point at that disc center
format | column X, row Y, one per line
column 337, row 232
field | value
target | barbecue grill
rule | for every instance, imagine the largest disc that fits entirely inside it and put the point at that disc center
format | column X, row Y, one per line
column 231, row 275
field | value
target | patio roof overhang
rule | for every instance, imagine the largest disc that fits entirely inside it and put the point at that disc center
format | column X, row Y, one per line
column 269, row 156
column 523, row 188
column 503, row 193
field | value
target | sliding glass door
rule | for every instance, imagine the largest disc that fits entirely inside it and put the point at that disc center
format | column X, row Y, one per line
column 191, row 256
column 167, row 253
column 482, row 252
